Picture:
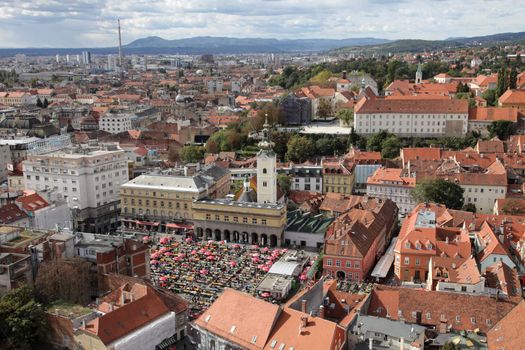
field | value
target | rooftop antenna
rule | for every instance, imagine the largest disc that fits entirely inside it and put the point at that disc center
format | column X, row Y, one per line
column 119, row 47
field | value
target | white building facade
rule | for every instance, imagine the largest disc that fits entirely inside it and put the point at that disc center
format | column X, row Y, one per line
column 89, row 179
column 412, row 117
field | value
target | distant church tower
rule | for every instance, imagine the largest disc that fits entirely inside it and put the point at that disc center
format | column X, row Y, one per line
column 266, row 169
column 419, row 74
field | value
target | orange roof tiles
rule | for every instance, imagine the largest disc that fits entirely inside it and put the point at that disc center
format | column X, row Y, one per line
column 507, row 333
column 241, row 319
column 412, row 106
column 493, row 113
column 511, row 97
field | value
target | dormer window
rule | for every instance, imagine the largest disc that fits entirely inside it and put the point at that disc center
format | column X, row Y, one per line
column 429, row 245
column 407, row 244
column 418, row 245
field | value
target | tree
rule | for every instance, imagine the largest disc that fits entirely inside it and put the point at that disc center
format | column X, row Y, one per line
column 490, row 96
column 503, row 81
column 439, row 191
column 192, row 154
column 300, row 149
column 46, row 103
column 513, row 77
column 462, row 88
column 346, row 116
column 39, row 103
column 375, row 142
column 285, row 183
column 503, row 129
column 324, row 109
column 65, row 279
column 212, row 146
column 22, row 319
column 470, row 207
column 280, row 140
column 173, row 154
column 450, row 346
column 321, row 78
column 390, row 147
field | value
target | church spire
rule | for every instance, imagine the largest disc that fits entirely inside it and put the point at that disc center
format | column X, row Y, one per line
column 266, row 144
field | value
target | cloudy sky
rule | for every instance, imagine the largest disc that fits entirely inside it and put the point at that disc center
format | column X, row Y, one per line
column 92, row 23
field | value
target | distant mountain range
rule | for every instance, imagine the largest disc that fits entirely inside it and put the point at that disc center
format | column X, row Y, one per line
column 210, row 44
column 414, row 45
column 224, row 45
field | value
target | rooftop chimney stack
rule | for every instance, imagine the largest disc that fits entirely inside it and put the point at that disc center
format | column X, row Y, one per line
column 321, row 311
column 303, row 305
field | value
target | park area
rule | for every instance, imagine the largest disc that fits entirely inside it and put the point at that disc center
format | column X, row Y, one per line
column 201, row 270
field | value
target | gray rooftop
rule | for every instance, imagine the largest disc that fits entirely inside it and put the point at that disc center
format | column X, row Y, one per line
column 397, row 329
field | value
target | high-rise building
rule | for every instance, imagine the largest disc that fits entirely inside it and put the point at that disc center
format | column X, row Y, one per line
column 89, row 177
column 86, row 57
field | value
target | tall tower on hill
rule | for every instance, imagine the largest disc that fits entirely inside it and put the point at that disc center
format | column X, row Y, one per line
column 266, row 169
column 419, row 74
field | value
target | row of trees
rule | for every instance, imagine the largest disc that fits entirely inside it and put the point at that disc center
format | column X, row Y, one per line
column 8, row 77
column 23, row 321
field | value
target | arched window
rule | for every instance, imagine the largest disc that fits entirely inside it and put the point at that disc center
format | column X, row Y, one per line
column 264, row 171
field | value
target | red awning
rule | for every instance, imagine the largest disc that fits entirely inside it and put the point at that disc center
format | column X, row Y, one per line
column 148, row 223
column 179, row 226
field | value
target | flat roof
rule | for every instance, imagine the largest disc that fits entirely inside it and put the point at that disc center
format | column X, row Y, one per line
column 383, row 265
column 229, row 202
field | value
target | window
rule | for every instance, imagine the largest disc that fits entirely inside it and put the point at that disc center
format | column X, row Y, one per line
column 263, row 221
column 417, row 261
column 338, row 263
column 265, row 184
column 254, row 221
column 356, row 265
column 226, row 218
column 244, row 220
column 348, row 264
column 407, row 260
column 329, row 262
column 458, row 318
column 428, row 316
column 265, row 171
column 217, row 217
column 208, row 216
column 235, row 219
column 407, row 244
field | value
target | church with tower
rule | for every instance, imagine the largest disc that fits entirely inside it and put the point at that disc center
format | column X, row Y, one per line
column 256, row 214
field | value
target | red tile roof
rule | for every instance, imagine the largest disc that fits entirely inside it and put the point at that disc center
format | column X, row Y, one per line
column 127, row 318
column 493, row 113
column 507, row 333
column 32, row 202
column 411, row 106
column 10, row 213
column 460, row 311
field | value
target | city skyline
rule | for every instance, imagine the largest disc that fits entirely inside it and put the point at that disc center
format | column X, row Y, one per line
column 94, row 23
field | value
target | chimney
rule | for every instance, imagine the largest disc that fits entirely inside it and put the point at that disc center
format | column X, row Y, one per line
column 303, row 305
column 321, row 311
column 370, row 344
column 402, row 344
column 344, row 74
column 304, row 321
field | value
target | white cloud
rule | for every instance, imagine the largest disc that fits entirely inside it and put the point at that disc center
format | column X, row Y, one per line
column 92, row 23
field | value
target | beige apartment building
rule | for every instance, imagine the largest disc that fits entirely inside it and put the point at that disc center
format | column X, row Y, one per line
column 155, row 201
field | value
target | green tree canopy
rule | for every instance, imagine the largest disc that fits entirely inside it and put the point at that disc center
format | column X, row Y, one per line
column 503, row 129
column 22, row 319
column 300, row 149
column 324, row 109
column 450, row 346
column 390, row 147
column 490, row 96
column 439, row 191
column 346, row 116
column 192, row 154
column 285, row 183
